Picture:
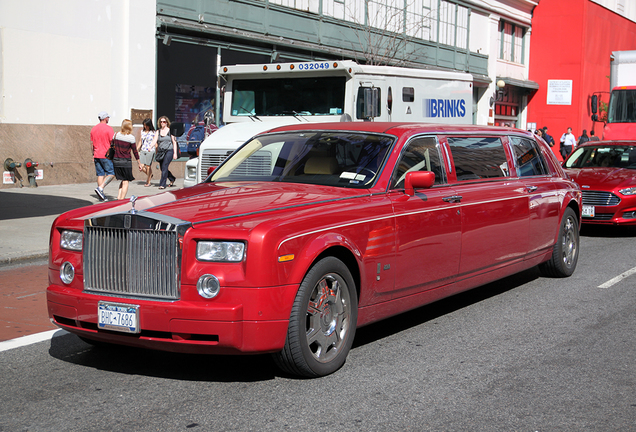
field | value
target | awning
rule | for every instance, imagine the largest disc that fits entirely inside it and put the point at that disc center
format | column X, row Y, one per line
column 480, row 80
column 530, row 85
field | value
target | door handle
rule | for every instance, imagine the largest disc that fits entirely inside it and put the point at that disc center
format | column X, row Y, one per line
column 452, row 198
column 531, row 188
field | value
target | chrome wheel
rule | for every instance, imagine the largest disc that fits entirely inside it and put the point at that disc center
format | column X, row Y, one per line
column 328, row 317
column 569, row 241
column 322, row 323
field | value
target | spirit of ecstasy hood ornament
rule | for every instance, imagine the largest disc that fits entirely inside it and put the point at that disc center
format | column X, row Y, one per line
column 132, row 204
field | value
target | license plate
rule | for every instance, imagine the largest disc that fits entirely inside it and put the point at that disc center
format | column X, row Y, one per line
column 118, row 317
column 588, row 211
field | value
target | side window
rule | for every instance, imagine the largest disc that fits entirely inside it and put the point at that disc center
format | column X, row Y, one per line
column 408, row 94
column 421, row 154
column 528, row 157
column 478, row 157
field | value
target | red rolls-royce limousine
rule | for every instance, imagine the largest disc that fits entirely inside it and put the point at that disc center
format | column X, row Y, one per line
column 307, row 232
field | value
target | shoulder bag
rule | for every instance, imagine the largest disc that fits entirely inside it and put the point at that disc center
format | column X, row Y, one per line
column 110, row 153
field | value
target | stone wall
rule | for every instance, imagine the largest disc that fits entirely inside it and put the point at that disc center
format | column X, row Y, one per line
column 64, row 153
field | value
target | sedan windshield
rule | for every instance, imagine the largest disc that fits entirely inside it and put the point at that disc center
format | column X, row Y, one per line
column 603, row 156
column 330, row 158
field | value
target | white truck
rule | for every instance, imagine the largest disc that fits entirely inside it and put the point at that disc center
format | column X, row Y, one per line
column 261, row 97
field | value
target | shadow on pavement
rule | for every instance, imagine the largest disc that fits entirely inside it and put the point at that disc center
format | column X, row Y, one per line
column 18, row 206
column 608, row 231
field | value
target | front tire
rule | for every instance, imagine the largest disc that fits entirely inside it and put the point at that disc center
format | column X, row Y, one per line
column 322, row 323
column 565, row 252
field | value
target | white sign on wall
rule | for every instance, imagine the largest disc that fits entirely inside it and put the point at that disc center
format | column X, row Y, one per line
column 559, row 92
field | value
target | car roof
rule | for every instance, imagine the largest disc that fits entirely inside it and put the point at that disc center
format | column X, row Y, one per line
column 400, row 128
column 609, row 143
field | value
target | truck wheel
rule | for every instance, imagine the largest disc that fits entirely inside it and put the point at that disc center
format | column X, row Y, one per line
column 565, row 252
column 322, row 323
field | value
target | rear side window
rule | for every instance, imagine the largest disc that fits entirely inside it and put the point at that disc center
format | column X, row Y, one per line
column 528, row 157
column 478, row 158
column 421, row 154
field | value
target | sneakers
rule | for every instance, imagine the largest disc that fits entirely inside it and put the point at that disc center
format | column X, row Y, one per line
column 100, row 193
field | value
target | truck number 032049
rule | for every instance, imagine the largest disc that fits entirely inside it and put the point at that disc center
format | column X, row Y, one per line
column 313, row 66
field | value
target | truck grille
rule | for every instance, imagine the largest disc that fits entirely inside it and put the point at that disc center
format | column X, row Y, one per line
column 132, row 262
column 598, row 198
column 258, row 164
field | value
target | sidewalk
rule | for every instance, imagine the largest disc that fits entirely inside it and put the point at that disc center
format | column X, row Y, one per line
column 26, row 214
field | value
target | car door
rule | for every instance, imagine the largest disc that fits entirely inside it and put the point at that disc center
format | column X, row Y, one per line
column 494, row 205
column 543, row 200
column 428, row 224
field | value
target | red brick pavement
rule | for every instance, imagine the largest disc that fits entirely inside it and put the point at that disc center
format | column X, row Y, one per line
column 23, row 302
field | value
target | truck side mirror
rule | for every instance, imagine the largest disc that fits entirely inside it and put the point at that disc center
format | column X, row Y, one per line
column 594, row 104
column 368, row 103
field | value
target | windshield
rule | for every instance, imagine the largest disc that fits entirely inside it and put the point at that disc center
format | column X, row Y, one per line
column 622, row 107
column 343, row 159
column 603, row 156
column 288, row 96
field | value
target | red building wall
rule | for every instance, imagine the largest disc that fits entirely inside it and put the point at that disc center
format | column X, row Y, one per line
column 573, row 40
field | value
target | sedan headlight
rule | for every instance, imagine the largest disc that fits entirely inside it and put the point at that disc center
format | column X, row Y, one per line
column 220, row 251
column 628, row 191
column 71, row 240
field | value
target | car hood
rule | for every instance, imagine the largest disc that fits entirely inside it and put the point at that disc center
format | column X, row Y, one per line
column 602, row 178
column 213, row 201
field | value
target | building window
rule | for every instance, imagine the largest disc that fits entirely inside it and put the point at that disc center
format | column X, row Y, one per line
column 441, row 21
column 511, row 42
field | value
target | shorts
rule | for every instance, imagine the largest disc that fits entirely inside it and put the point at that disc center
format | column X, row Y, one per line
column 103, row 167
column 146, row 157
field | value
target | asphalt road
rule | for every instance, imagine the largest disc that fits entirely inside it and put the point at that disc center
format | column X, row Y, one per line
column 524, row 354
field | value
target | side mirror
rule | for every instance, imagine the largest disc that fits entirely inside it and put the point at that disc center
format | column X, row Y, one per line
column 594, row 104
column 177, row 129
column 368, row 103
column 418, row 180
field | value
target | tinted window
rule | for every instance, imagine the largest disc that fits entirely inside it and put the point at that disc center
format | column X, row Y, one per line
column 528, row 157
column 478, row 158
column 421, row 154
column 603, row 156
column 408, row 94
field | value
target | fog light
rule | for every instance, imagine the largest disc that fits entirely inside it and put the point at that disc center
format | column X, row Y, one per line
column 67, row 272
column 208, row 286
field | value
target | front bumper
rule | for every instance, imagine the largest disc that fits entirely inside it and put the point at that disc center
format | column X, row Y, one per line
column 257, row 325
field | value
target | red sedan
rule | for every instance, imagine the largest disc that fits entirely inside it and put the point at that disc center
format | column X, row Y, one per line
column 606, row 172
column 309, row 231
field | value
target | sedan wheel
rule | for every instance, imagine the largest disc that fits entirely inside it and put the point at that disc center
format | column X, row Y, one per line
column 322, row 322
column 565, row 252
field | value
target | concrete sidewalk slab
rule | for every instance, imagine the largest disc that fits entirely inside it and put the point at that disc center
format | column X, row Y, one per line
column 26, row 214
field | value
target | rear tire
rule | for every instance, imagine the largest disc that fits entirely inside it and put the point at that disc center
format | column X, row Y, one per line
column 565, row 252
column 322, row 323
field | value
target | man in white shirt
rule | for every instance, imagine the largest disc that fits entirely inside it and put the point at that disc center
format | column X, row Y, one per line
column 568, row 142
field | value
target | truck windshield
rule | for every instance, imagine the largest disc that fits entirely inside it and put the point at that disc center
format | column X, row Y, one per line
column 288, row 96
column 328, row 158
column 622, row 107
column 603, row 156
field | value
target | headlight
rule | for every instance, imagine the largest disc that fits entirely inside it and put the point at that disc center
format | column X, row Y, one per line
column 220, row 251
column 191, row 172
column 71, row 240
column 208, row 286
column 67, row 272
column 628, row 191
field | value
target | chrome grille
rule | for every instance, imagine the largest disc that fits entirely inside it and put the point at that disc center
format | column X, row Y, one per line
column 131, row 262
column 212, row 158
column 258, row 164
column 598, row 198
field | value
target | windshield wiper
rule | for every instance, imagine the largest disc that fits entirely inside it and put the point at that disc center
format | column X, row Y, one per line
column 250, row 115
